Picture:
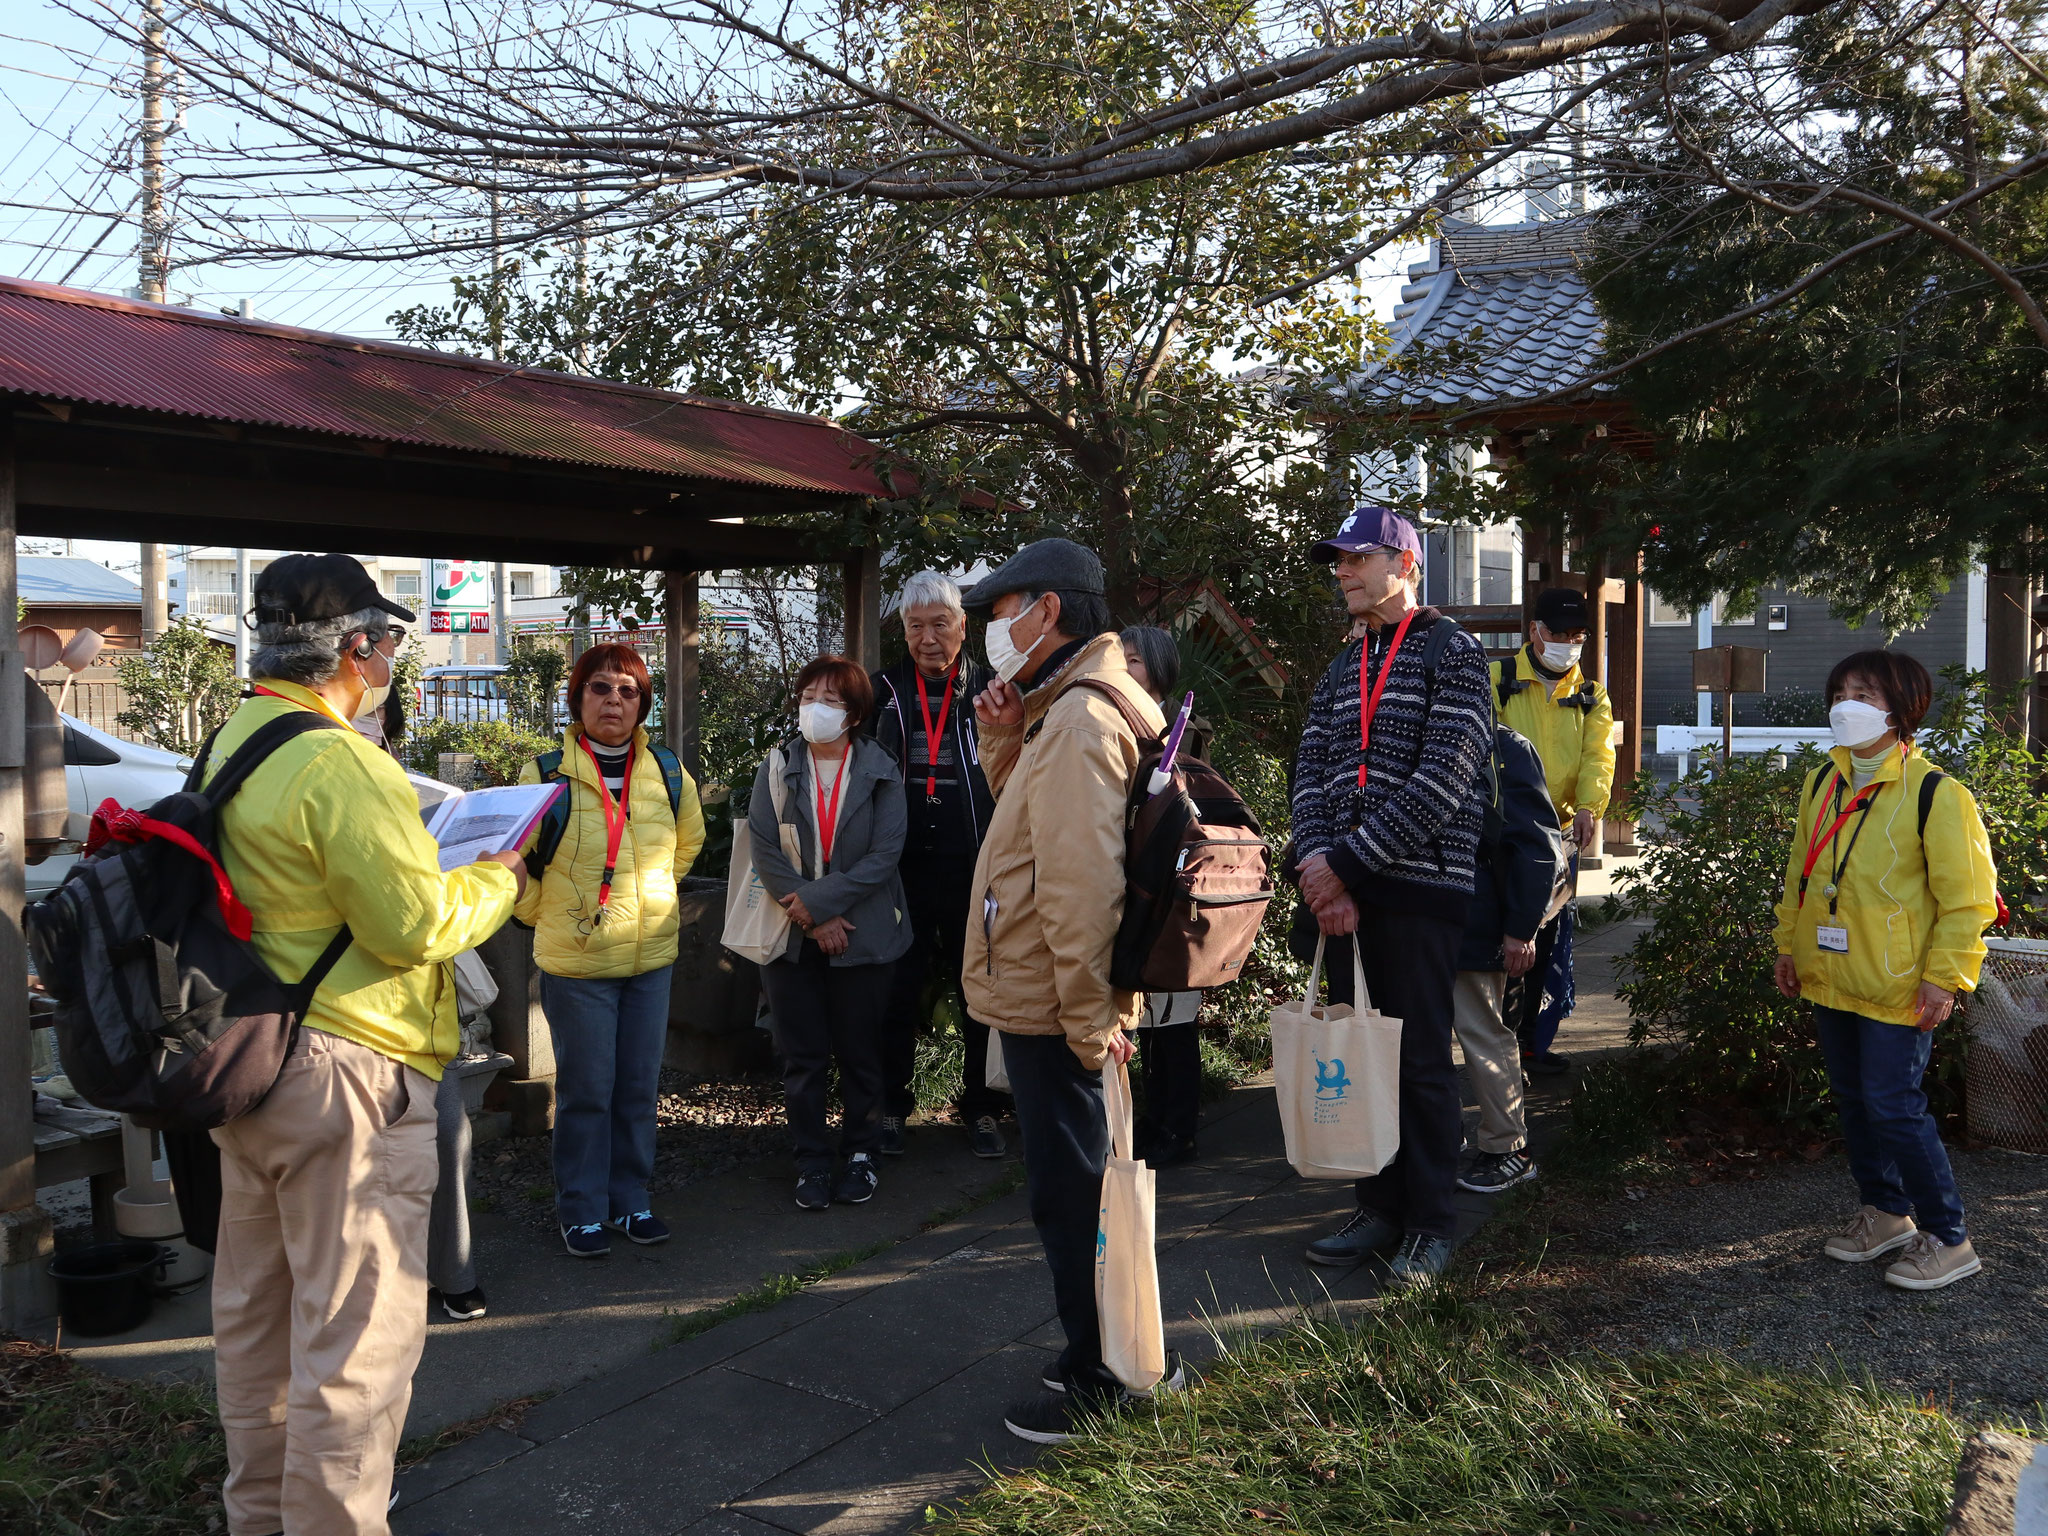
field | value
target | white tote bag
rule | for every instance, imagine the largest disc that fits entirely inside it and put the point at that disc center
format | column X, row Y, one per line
column 756, row 926
column 1337, row 1076
column 996, row 1073
column 1126, row 1262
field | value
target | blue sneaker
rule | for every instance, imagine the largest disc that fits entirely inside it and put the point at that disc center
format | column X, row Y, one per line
column 586, row 1242
column 641, row 1227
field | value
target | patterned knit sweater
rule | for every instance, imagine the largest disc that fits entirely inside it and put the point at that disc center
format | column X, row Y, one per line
column 1409, row 836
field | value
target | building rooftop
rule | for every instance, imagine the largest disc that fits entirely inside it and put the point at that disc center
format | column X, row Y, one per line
column 1499, row 315
column 67, row 345
column 72, row 581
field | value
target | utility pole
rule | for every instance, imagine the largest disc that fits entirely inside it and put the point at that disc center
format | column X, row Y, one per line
column 153, row 261
column 243, row 603
column 154, row 255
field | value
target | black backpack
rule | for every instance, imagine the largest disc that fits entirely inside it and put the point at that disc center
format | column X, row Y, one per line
column 165, row 1012
column 1198, row 874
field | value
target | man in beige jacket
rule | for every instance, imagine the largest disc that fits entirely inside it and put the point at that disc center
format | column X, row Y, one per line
column 1060, row 757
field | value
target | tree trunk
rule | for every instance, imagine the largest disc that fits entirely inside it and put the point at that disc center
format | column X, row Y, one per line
column 2008, row 648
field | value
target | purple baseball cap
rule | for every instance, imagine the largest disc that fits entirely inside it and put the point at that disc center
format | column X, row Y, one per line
column 1369, row 527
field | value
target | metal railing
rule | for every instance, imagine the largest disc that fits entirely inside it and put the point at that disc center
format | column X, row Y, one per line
column 95, row 702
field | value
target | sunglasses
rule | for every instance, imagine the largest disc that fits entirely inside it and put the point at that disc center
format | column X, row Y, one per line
column 604, row 690
column 395, row 633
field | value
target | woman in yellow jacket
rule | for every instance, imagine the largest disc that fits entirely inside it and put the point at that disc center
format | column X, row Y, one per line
column 605, row 917
column 1888, row 891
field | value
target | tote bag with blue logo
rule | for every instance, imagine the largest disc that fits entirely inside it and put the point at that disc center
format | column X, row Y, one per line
column 1337, row 1076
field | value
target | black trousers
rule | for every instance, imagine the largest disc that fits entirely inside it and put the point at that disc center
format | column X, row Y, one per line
column 1170, row 1068
column 937, row 890
column 1523, row 1008
column 825, row 1013
column 1411, row 966
column 1066, row 1145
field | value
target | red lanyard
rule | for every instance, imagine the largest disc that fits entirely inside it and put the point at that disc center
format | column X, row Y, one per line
column 1369, row 704
column 828, row 817
column 932, row 733
column 1818, row 840
column 615, row 813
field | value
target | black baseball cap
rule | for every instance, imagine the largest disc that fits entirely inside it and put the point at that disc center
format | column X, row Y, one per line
column 300, row 589
column 1561, row 610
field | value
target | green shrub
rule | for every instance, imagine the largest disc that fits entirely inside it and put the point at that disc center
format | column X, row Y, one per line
column 180, row 689
column 501, row 750
column 1700, row 977
column 535, row 669
column 2006, row 779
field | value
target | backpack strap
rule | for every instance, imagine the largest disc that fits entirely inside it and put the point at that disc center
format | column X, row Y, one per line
column 1438, row 641
column 1505, row 684
column 1132, row 718
column 1928, row 786
column 555, row 822
column 671, row 775
column 249, row 756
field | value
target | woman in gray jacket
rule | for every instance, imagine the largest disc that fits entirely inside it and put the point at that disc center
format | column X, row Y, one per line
column 842, row 796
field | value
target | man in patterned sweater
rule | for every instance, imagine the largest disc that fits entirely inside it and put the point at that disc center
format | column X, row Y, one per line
column 1389, row 798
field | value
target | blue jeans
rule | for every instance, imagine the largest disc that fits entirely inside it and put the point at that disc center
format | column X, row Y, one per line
column 1895, row 1152
column 608, row 1042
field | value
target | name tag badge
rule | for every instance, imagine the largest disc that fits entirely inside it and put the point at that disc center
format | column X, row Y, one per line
column 1833, row 940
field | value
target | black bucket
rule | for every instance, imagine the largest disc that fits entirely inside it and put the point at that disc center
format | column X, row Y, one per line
column 109, row 1287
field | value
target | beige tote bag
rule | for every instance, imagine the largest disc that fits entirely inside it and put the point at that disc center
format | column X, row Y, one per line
column 1126, row 1261
column 996, row 1071
column 756, row 925
column 1337, row 1076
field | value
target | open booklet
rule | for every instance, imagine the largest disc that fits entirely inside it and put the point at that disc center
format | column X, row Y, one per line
column 483, row 821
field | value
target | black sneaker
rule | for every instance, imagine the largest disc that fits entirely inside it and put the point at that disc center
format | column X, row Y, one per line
column 1174, row 1380
column 1492, row 1172
column 643, row 1227
column 892, row 1136
column 1053, row 1418
column 1171, row 1151
column 857, row 1184
column 1546, row 1064
column 587, row 1241
column 813, row 1191
column 985, row 1139
column 1365, row 1234
column 1420, row 1261
column 465, row 1307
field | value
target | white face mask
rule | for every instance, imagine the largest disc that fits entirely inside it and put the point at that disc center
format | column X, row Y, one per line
column 1562, row 655
column 373, row 699
column 1003, row 654
column 821, row 722
column 1857, row 724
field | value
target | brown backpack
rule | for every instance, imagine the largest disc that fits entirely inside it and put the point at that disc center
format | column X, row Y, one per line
column 1198, row 874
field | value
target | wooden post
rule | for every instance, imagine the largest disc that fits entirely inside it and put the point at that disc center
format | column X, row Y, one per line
column 155, row 610
column 1625, row 690
column 26, row 1293
column 863, row 589
column 685, row 680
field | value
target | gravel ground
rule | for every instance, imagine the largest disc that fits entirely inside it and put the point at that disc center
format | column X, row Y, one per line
column 702, row 1129
column 1737, row 1266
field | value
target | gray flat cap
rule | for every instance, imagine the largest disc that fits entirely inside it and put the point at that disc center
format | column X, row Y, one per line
column 1050, row 565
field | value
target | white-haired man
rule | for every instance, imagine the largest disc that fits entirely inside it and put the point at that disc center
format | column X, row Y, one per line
column 924, row 713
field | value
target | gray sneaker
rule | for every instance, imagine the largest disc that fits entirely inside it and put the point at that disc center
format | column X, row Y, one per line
column 1420, row 1261
column 1365, row 1234
column 892, row 1136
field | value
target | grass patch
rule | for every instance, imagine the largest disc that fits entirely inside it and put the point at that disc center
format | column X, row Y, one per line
column 80, row 1452
column 772, row 1291
column 1435, row 1415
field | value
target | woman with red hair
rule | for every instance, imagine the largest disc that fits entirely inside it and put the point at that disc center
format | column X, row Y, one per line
column 836, row 797
column 602, row 901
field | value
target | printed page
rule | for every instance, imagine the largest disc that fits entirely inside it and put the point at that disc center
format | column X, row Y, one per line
column 485, row 821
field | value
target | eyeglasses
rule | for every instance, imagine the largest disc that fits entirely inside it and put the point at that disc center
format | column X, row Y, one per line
column 395, row 634
column 628, row 692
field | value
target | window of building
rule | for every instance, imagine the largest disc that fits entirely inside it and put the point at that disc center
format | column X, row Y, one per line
column 521, row 583
column 1665, row 612
column 1722, row 616
column 405, row 583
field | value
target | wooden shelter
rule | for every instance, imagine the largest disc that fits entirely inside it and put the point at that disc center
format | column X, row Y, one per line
column 126, row 420
column 1498, row 320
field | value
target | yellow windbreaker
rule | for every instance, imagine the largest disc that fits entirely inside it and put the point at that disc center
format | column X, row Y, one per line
column 1916, row 911
column 1576, row 744
column 328, row 830
column 644, row 916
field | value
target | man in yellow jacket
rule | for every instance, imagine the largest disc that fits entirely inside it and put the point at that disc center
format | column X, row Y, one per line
column 319, row 1286
column 1048, row 894
column 1542, row 694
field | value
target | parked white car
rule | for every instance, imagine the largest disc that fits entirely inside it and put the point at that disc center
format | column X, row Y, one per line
column 462, row 693
column 99, row 767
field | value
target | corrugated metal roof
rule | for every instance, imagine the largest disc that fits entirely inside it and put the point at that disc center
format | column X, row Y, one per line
column 68, row 345
column 72, row 581
column 1499, row 316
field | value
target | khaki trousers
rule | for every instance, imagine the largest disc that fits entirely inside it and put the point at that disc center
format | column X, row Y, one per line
column 1493, row 1058
column 320, row 1288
